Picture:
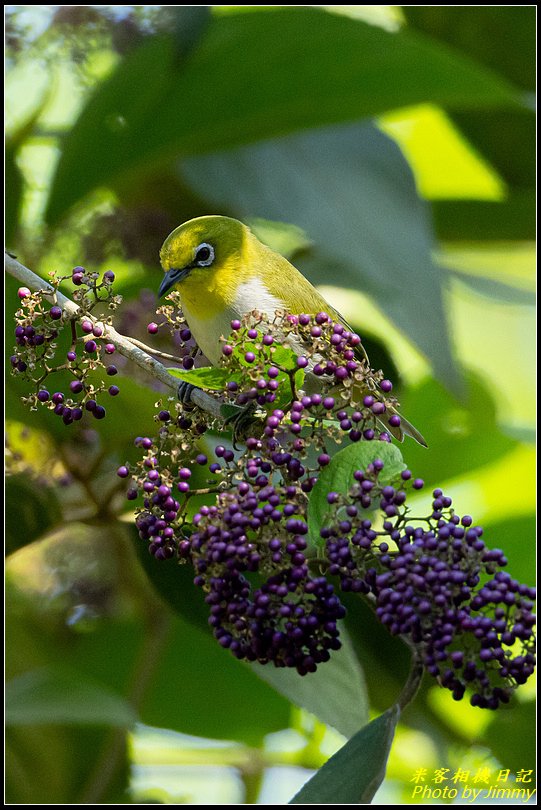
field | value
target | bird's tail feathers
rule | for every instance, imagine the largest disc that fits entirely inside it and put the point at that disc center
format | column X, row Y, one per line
column 405, row 428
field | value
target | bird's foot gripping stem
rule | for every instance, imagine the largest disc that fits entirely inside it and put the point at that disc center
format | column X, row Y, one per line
column 242, row 421
column 184, row 392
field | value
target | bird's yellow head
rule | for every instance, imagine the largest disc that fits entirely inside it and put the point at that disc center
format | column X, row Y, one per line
column 203, row 255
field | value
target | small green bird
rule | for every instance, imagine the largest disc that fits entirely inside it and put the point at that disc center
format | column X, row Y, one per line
column 222, row 272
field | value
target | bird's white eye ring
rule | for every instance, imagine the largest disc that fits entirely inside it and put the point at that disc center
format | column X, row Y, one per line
column 204, row 254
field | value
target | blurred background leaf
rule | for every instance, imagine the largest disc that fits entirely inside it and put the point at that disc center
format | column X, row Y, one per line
column 390, row 152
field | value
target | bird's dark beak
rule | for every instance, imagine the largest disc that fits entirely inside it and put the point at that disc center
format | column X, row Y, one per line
column 171, row 278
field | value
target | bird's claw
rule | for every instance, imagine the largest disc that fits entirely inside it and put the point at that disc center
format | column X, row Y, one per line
column 241, row 421
column 184, row 392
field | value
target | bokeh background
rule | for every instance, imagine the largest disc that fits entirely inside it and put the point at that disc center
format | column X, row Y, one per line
column 390, row 152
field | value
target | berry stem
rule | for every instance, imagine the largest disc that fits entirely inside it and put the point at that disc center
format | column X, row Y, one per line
column 411, row 687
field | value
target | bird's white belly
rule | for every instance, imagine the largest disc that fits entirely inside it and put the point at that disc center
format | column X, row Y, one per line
column 250, row 295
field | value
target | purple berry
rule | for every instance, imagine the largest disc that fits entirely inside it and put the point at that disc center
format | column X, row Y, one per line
column 91, row 346
column 55, row 313
column 152, row 328
column 114, row 390
column 43, row 395
column 23, row 292
column 123, row 472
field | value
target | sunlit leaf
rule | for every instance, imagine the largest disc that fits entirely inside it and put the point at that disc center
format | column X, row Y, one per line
column 246, row 98
column 208, row 378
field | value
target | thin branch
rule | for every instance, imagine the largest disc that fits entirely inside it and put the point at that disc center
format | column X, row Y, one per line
column 124, row 345
column 155, row 352
column 411, row 687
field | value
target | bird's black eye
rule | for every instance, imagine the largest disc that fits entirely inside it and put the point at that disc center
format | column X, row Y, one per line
column 204, row 254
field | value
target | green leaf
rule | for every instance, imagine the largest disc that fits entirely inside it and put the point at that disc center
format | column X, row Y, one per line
column 57, row 695
column 41, row 511
column 507, row 138
column 150, row 108
column 478, row 220
column 338, row 477
column 355, row 772
column 282, row 237
column 208, row 377
column 352, row 191
column 335, row 693
column 285, row 358
column 500, row 37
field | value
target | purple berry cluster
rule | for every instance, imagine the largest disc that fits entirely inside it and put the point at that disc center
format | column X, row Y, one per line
column 324, row 356
column 38, row 327
column 431, row 580
column 428, row 582
column 290, row 618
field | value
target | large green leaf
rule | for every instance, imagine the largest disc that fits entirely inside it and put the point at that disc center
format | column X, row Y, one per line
column 500, row 37
column 355, row 772
column 59, row 695
column 338, row 477
column 336, row 693
column 154, row 106
column 479, row 220
column 503, row 39
column 352, row 192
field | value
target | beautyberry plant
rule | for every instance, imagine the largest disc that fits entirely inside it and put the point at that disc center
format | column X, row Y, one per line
column 302, row 498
